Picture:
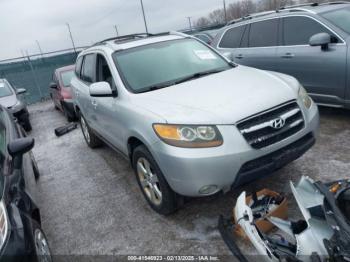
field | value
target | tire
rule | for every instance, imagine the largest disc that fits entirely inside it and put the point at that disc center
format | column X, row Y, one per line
column 35, row 166
column 27, row 125
column 165, row 203
column 41, row 252
column 91, row 139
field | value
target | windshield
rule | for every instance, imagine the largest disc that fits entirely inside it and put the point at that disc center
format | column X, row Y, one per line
column 166, row 63
column 340, row 18
column 5, row 89
column 66, row 77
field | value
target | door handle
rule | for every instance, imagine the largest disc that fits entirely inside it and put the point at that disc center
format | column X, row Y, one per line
column 240, row 56
column 288, row 55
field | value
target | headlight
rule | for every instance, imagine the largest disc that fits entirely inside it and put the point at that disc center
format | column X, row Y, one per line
column 191, row 136
column 3, row 224
column 307, row 101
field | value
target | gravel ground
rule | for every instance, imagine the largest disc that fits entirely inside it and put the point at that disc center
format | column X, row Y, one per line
column 91, row 204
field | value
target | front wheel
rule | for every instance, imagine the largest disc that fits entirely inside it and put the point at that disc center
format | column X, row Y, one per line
column 152, row 182
column 41, row 246
column 91, row 139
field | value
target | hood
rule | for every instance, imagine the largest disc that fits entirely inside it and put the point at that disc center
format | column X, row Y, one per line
column 222, row 98
column 8, row 101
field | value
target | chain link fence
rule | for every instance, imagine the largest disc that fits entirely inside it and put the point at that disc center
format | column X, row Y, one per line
column 34, row 72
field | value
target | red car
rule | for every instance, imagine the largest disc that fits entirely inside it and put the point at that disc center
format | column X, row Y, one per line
column 61, row 92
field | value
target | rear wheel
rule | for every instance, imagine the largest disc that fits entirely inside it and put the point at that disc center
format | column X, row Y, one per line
column 152, row 182
column 91, row 139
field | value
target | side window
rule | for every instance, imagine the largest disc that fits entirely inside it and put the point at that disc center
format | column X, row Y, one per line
column 264, row 33
column 88, row 71
column 78, row 65
column 245, row 37
column 297, row 30
column 103, row 73
column 232, row 38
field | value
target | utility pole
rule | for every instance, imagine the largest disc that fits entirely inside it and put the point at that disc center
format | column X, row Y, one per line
column 189, row 21
column 34, row 75
column 40, row 50
column 144, row 16
column 225, row 11
column 71, row 37
column 116, row 30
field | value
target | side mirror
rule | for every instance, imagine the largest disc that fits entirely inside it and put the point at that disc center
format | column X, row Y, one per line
column 101, row 89
column 320, row 39
column 53, row 85
column 18, row 148
column 20, row 91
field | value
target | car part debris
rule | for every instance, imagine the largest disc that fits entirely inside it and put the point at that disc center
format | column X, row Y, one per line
column 60, row 131
column 265, row 203
column 322, row 235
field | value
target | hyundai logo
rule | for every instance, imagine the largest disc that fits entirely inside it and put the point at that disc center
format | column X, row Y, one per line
column 278, row 123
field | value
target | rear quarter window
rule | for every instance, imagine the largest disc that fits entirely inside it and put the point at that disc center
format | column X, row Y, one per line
column 232, row 37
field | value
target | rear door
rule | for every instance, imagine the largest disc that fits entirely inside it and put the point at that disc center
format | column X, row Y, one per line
column 322, row 72
column 81, row 87
column 253, row 44
column 259, row 45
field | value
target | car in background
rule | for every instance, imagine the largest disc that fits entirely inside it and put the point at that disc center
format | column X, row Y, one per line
column 205, row 37
column 310, row 42
column 21, row 235
column 60, row 91
column 11, row 99
column 190, row 122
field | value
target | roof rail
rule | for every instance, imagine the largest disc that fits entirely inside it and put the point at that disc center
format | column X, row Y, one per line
column 129, row 37
column 250, row 16
column 314, row 4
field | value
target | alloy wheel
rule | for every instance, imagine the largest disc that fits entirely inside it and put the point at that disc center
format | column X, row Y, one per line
column 41, row 246
column 149, row 181
column 85, row 130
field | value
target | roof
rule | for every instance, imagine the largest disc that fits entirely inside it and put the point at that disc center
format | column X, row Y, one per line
column 135, row 40
column 313, row 8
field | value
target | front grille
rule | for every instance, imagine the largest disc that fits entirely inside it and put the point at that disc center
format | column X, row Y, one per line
column 261, row 130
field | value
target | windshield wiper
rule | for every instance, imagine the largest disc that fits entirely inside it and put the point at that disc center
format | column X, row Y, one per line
column 154, row 87
column 185, row 79
column 198, row 75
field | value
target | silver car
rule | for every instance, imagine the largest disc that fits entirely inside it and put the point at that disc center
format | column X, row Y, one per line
column 11, row 98
column 309, row 42
column 191, row 122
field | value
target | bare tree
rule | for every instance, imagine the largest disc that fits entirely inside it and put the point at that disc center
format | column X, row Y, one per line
column 202, row 22
column 217, row 17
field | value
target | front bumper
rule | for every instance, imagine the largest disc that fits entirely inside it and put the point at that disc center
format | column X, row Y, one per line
column 189, row 170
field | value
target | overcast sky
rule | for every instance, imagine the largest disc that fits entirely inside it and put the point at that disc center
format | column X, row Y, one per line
column 25, row 21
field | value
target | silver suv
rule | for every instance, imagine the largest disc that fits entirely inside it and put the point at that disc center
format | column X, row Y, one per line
column 309, row 42
column 191, row 122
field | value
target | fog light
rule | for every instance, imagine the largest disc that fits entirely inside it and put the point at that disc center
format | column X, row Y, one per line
column 207, row 190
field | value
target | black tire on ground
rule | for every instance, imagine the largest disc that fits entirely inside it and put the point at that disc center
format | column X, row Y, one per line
column 170, row 200
column 27, row 125
column 42, row 251
column 91, row 139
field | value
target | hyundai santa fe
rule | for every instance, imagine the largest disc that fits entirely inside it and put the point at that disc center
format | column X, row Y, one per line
column 191, row 122
column 309, row 42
